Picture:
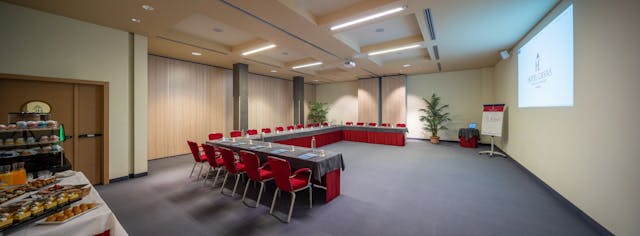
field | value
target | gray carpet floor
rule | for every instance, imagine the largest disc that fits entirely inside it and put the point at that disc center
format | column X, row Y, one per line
column 419, row 189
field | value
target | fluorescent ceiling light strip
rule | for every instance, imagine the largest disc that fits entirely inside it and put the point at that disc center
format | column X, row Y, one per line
column 366, row 18
column 259, row 49
column 307, row 65
column 394, row 49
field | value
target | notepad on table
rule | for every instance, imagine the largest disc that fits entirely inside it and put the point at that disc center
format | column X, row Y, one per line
column 238, row 144
column 278, row 151
column 307, row 155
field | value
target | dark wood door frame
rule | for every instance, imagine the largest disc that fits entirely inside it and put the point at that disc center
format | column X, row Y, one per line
column 105, row 111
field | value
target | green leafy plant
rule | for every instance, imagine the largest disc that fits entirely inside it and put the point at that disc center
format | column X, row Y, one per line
column 435, row 116
column 318, row 112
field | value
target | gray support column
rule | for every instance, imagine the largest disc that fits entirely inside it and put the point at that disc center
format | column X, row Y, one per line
column 240, row 96
column 298, row 100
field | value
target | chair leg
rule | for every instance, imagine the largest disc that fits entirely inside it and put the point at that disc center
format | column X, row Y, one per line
column 224, row 182
column 259, row 194
column 200, row 171
column 215, row 180
column 236, row 185
column 293, row 200
column 193, row 168
column 310, row 196
column 273, row 202
column 206, row 176
column 244, row 195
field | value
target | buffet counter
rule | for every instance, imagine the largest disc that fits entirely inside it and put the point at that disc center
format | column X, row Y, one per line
column 100, row 221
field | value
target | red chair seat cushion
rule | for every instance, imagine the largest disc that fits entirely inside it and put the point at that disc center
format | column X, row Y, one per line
column 203, row 158
column 265, row 174
column 240, row 167
column 297, row 183
column 220, row 161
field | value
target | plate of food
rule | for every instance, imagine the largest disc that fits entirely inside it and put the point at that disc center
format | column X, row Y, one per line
column 69, row 214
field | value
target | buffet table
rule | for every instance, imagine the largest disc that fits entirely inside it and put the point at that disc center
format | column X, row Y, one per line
column 333, row 134
column 100, row 221
column 325, row 165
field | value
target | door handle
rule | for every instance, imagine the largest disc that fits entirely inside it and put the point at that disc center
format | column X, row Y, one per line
column 89, row 135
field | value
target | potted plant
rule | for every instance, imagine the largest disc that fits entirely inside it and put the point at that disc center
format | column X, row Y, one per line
column 317, row 112
column 435, row 117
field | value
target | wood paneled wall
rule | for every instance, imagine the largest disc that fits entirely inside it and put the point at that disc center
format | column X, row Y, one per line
column 309, row 97
column 368, row 100
column 270, row 102
column 394, row 99
column 186, row 102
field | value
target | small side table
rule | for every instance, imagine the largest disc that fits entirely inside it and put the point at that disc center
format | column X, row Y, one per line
column 469, row 137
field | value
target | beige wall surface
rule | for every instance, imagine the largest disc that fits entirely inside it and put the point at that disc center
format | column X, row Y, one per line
column 588, row 153
column 464, row 91
column 393, row 93
column 42, row 44
column 368, row 94
column 342, row 99
column 270, row 102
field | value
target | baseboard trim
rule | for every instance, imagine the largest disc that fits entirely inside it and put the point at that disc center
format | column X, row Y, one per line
column 138, row 175
column 573, row 208
column 119, row 179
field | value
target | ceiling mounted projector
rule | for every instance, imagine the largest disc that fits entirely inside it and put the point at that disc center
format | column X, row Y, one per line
column 349, row 64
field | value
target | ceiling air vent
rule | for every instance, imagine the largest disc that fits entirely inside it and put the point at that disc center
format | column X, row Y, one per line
column 427, row 17
column 439, row 67
column 436, row 54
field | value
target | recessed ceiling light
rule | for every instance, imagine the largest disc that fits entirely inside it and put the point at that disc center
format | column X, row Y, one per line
column 147, row 8
column 394, row 49
column 274, row 71
column 315, row 80
column 196, row 53
column 380, row 30
column 259, row 49
column 136, row 20
column 217, row 29
column 307, row 65
column 406, row 65
column 367, row 18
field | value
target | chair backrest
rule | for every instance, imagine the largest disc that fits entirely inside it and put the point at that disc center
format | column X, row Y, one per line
column 401, row 125
column 360, row 124
column 385, row 125
column 235, row 133
column 325, row 123
column 309, row 125
column 267, row 130
column 373, row 124
column 251, row 163
column 281, row 172
column 252, row 132
column 316, row 124
column 291, row 127
column 210, row 152
column 194, row 151
column 229, row 160
column 299, row 126
column 214, row 136
column 280, row 128
column 349, row 123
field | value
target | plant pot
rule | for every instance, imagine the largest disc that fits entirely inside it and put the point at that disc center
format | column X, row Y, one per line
column 435, row 139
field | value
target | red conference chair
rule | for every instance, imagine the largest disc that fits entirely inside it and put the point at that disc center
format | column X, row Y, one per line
column 300, row 180
column 360, row 124
column 252, row 132
column 232, row 167
column 385, row 125
column 299, row 126
column 316, row 124
column 266, row 130
column 373, row 124
column 216, row 163
column 401, row 125
column 214, row 136
column 349, row 123
column 291, row 127
column 325, row 123
column 309, row 125
column 197, row 157
column 279, row 129
column 235, row 133
column 255, row 172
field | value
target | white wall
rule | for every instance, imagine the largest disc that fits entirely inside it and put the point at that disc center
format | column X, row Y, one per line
column 465, row 92
column 342, row 99
column 589, row 153
column 42, row 44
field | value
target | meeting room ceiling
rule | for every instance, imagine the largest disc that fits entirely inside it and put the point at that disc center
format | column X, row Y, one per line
column 466, row 34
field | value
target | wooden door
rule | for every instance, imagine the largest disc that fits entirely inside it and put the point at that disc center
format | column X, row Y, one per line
column 89, row 130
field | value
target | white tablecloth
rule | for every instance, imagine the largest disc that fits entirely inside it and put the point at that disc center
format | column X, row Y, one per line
column 91, row 223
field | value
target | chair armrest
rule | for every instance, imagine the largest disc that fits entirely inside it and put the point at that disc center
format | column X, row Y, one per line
column 266, row 166
column 300, row 171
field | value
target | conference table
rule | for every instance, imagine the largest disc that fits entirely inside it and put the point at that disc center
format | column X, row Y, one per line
column 294, row 146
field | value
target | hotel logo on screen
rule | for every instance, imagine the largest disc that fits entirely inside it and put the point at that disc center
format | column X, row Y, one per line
column 540, row 75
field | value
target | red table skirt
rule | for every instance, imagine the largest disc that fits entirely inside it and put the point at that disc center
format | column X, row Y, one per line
column 470, row 143
column 396, row 139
